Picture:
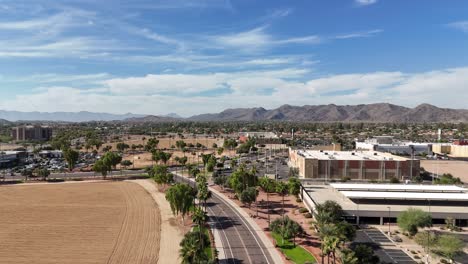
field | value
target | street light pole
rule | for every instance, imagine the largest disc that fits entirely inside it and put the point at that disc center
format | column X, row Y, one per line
column 389, row 220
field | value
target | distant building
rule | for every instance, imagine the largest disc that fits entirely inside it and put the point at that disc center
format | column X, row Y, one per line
column 25, row 133
column 390, row 145
column 10, row 159
column 457, row 149
column 364, row 166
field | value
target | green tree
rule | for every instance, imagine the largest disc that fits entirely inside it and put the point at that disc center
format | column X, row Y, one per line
column 286, row 228
column 126, row 163
column 294, row 186
column 161, row 175
column 426, row 239
column 449, row 246
column 248, row 196
column 71, row 157
column 348, row 257
column 121, row 147
column 191, row 251
column 412, row 219
column 281, row 189
column 199, row 217
column 203, row 193
column 151, row 145
column 112, row 159
column 180, row 198
column 268, row 185
column 43, row 173
column 365, row 255
column 101, row 167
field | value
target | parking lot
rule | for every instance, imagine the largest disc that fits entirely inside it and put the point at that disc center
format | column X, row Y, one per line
column 383, row 246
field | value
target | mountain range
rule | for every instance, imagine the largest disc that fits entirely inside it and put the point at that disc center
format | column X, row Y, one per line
column 379, row 113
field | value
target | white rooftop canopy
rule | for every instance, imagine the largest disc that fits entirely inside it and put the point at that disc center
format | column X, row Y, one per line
column 406, row 196
column 398, row 187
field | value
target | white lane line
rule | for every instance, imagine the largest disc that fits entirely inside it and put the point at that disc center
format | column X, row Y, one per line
column 217, row 237
column 238, row 233
column 248, row 227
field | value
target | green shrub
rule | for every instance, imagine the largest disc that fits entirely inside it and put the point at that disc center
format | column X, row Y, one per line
column 303, row 210
column 298, row 200
column 308, row 215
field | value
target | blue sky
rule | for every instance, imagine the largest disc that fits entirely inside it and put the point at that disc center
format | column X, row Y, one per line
column 197, row 56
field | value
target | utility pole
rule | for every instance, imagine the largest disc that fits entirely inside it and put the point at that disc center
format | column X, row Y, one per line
column 389, row 221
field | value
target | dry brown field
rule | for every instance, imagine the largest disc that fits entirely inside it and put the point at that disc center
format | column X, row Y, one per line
column 168, row 142
column 109, row 222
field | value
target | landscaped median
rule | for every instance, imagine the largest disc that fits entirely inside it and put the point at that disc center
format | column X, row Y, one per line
column 293, row 253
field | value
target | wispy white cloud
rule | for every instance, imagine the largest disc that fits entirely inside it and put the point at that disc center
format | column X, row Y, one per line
column 362, row 34
column 460, row 25
column 258, row 39
column 365, row 2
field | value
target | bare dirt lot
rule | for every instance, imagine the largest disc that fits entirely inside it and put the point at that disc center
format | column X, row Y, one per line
column 109, row 222
column 454, row 167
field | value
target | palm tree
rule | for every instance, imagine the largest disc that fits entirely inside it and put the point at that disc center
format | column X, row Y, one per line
column 190, row 250
column 268, row 185
column 199, row 217
column 282, row 189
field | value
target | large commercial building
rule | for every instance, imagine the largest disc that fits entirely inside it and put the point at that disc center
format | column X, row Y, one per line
column 25, row 133
column 390, row 145
column 457, row 149
column 357, row 165
column 10, row 159
column 382, row 203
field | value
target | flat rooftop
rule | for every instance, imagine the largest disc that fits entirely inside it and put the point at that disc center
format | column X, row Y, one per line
column 348, row 155
column 398, row 188
column 412, row 196
column 375, row 203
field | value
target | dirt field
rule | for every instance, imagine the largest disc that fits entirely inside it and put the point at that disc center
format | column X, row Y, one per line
column 115, row 222
column 455, row 167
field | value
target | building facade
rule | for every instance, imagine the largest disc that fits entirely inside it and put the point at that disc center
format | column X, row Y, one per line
column 364, row 166
column 25, row 133
column 388, row 144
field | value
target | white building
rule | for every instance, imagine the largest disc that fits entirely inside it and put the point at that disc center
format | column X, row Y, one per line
column 390, row 145
column 382, row 203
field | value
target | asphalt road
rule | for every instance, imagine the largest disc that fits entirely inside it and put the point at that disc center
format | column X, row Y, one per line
column 239, row 240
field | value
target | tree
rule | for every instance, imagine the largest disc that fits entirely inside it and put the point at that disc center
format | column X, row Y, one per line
column 268, row 186
column 43, row 173
column 161, row 175
column 286, row 228
column 191, row 251
column 426, row 239
column 121, row 147
column 202, row 186
column 199, row 217
column 101, row 167
column 151, row 145
column 281, row 189
column 71, row 156
column 26, row 174
column 294, row 186
column 180, row 198
column 126, row 163
column 412, row 219
column 112, row 159
column 220, row 151
column 248, row 196
column 365, row 255
column 348, row 257
column 449, row 246
column 328, row 212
